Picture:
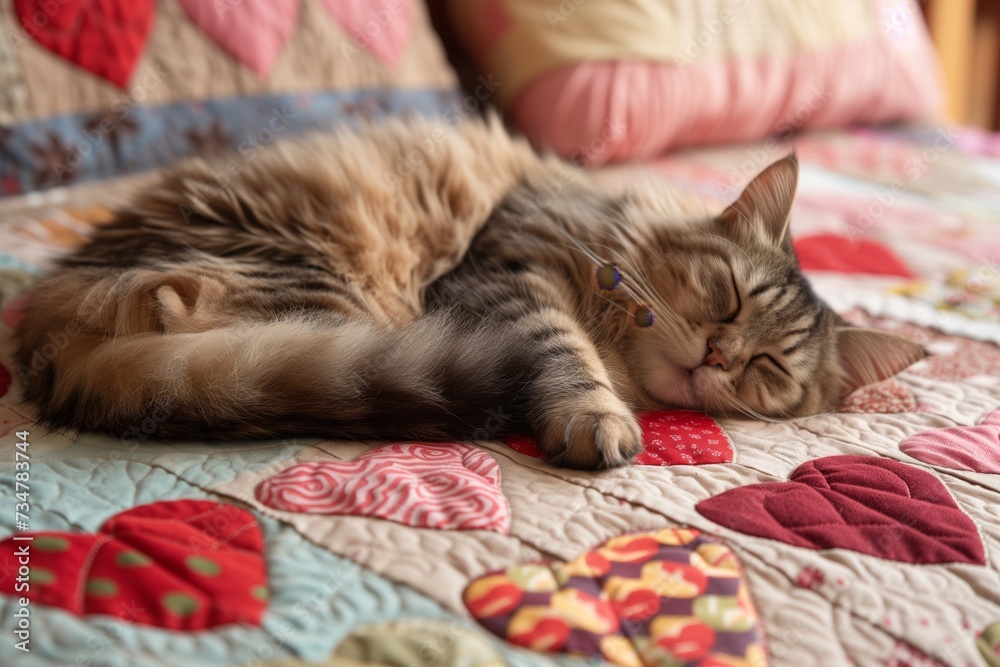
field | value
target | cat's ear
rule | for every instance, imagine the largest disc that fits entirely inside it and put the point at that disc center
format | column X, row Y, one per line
column 869, row 356
column 766, row 203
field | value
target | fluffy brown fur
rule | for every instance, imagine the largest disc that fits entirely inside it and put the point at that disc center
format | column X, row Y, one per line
column 414, row 280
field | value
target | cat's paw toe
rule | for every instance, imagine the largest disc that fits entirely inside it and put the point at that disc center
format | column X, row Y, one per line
column 591, row 441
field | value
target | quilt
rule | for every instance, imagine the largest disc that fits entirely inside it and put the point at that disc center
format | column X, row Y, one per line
column 867, row 536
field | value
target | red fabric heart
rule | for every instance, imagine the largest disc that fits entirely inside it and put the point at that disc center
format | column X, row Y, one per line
column 105, row 37
column 867, row 504
column 829, row 252
column 182, row 564
column 669, row 437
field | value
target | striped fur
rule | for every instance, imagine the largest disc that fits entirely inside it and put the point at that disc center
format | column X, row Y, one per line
column 422, row 282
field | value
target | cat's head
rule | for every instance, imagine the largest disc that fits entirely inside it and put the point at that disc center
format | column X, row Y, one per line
column 739, row 330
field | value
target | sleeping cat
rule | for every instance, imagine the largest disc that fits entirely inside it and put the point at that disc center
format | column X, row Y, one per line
column 411, row 279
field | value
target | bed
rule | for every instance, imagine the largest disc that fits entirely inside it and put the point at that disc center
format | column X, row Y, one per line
column 868, row 536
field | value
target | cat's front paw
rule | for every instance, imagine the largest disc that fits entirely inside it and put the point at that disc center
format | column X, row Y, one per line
column 589, row 437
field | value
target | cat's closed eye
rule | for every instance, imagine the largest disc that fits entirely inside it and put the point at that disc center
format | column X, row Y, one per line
column 736, row 295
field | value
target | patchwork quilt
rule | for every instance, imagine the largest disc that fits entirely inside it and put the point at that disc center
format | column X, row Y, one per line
column 867, row 536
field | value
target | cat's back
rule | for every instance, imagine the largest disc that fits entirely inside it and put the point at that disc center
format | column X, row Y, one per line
column 391, row 206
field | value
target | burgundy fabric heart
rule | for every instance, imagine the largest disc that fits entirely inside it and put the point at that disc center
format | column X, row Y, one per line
column 974, row 448
column 105, row 37
column 867, row 504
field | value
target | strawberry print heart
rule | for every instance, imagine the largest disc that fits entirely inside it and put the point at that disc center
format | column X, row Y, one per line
column 669, row 437
column 182, row 565
column 887, row 397
column 252, row 31
column 448, row 487
column 973, row 448
column 380, row 26
column 670, row 597
column 867, row 504
column 105, row 37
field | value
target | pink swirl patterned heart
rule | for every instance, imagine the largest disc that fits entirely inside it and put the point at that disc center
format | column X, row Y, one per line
column 973, row 448
column 452, row 486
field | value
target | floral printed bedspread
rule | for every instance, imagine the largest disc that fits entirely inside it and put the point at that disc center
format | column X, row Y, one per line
column 868, row 536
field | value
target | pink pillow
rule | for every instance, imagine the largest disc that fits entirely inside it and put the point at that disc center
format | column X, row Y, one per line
column 738, row 71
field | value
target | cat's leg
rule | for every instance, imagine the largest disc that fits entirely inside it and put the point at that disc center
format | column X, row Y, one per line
column 578, row 419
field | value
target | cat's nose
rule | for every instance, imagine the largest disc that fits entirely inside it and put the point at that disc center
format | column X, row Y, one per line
column 715, row 357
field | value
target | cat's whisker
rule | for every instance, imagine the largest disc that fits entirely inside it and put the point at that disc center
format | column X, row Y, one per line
column 635, row 291
column 634, row 281
column 616, row 305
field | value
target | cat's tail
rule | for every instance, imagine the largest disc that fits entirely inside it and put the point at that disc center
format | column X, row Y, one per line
column 298, row 376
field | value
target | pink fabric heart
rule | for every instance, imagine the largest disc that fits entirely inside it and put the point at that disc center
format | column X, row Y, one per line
column 449, row 487
column 380, row 26
column 973, row 448
column 252, row 31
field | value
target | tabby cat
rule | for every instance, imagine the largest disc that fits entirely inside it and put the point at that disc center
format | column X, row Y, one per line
column 411, row 279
